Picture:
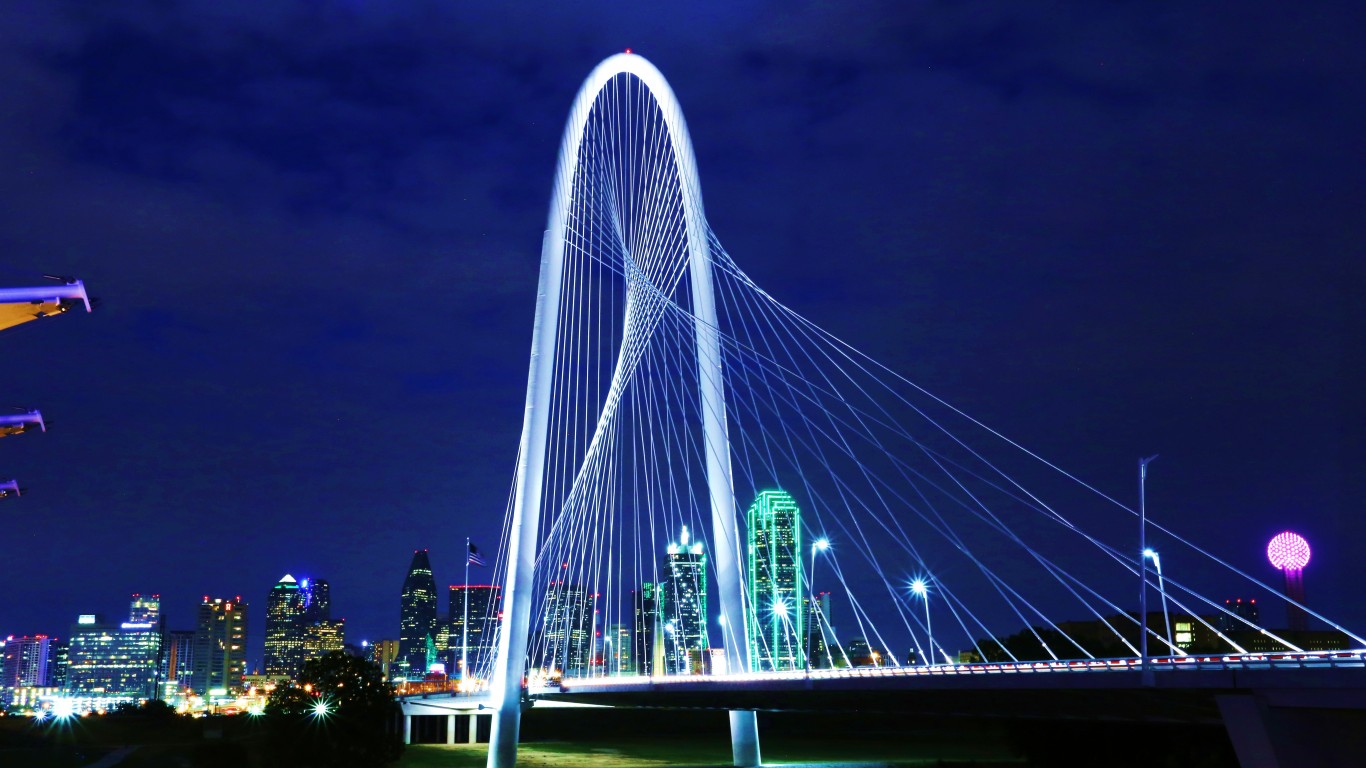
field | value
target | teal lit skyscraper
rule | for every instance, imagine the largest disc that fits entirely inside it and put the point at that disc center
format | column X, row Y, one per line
column 685, row 606
column 776, row 591
column 646, row 651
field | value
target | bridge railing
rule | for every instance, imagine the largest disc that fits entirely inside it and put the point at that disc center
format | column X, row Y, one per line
column 1309, row 660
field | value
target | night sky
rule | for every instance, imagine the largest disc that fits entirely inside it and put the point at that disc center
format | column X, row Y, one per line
column 1106, row 229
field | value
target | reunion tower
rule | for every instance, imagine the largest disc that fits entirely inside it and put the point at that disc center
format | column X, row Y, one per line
column 1289, row 552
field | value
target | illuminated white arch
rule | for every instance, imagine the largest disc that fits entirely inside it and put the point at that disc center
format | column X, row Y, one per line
column 512, row 645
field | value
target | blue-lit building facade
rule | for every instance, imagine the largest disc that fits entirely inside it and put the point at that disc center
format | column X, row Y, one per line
column 684, row 593
column 117, row 662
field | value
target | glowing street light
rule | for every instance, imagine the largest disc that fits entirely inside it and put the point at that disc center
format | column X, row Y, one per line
column 822, row 544
column 920, row 588
column 1162, row 590
column 320, row 709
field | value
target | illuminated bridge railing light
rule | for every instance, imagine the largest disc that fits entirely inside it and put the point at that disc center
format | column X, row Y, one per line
column 1315, row 659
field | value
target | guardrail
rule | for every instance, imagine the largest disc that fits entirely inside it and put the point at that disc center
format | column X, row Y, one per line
column 1310, row 660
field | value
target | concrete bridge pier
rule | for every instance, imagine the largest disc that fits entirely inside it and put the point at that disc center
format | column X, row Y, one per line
column 472, row 732
column 1296, row 728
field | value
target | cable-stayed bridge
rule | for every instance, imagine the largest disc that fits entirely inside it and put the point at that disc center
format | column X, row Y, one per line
column 717, row 503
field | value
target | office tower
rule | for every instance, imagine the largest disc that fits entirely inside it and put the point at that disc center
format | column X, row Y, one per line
column 861, row 653
column 61, row 661
column 482, row 604
column 383, row 654
column 820, row 634
column 317, row 595
column 26, row 662
column 284, row 628
column 441, row 647
column 113, row 660
column 177, row 661
column 323, row 637
column 417, row 616
column 776, row 623
column 220, row 647
column 145, row 609
column 617, row 653
column 1240, row 609
column 567, row 629
column 685, row 607
column 647, row 647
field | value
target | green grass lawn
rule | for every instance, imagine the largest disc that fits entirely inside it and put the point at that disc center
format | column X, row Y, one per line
column 658, row 753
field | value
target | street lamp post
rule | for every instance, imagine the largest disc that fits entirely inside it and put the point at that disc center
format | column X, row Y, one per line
column 820, row 546
column 920, row 588
column 1143, row 561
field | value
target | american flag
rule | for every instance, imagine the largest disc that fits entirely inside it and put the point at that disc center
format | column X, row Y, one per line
column 475, row 558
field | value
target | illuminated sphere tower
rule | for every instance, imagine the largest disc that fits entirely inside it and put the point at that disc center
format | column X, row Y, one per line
column 1289, row 552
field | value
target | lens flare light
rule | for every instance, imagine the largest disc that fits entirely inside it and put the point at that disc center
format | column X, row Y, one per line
column 1288, row 551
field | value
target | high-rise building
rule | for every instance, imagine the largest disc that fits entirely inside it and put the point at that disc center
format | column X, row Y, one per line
column 820, row 634
column 384, row 653
column 61, row 661
column 323, row 637
column 417, row 616
column 776, row 621
column 567, row 629
column 317, row 595
column 114, row 660
column 177, row 661
column 285, row 606
column 145, row 609
column 482, row 604
column 220, row 647
column 1240, row 609
column 685, row 607
column 617, row 653
column 647, row 642
column 26, row 663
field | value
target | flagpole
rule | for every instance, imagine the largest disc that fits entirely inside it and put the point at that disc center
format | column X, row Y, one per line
column 465, row 625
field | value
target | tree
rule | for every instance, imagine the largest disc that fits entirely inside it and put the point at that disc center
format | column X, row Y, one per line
column 341, row 713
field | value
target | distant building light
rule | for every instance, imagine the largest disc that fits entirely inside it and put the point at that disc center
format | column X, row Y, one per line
column 86, row 618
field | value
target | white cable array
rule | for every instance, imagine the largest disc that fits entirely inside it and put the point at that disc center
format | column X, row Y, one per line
column 905, row 486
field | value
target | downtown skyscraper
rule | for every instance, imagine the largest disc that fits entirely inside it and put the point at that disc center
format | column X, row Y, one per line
column 285, row 607
column 417, row 617
column 684, row 593
column 299, row 625
column 475, row 609
column 776, row 620
column 116, row 660
column 219, row 656
column 567, row 629
column 647, row 647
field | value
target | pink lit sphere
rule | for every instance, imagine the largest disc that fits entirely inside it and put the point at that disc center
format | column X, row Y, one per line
column 1288, row 551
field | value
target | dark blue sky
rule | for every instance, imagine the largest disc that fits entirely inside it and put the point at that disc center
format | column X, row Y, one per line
column 1107, row 229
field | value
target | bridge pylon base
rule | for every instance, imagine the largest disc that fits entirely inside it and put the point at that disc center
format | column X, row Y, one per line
column 744, row 738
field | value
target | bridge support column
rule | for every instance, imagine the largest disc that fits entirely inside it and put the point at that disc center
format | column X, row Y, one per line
column 474, row 729
column 450, row 729
column 407, row 729
column 1245, row 720
column 744, row 738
